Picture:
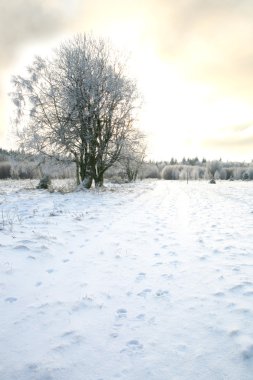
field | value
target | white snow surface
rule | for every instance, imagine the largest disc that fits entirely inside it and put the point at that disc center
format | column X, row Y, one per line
column 152, row 280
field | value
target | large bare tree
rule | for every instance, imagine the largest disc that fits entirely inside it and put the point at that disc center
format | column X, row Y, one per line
column 79, row 104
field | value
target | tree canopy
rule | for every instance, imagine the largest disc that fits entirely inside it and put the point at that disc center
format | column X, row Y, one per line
column 79, row 104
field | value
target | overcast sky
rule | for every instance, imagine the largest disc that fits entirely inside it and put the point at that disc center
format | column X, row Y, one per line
column 193, row 60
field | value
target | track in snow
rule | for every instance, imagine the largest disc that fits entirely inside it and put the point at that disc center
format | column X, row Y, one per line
column 152, row 280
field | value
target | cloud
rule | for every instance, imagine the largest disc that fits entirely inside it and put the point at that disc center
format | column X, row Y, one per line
column 26, row 21
column 243, row 127
column 238, row 139
column 238, row 143
column 210, row 41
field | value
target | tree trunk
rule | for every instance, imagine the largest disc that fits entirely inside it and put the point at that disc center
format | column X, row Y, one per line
column 99, row 180
column 87, row 181
column 82, row 167
column 77, row 174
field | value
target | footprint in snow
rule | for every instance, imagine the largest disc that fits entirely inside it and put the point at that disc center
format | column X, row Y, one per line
column 134, row 344
column 203, row 258
column 244, row 311
column 114, row 335
column 167, row 276
column 68, row 334
column 219, row 294
column 248, row 294
column 182, row 348
column 84, row 304
column 175, row 263
column 140, row 317
column 144, row 292
column 236, row 288
column 11, row 299
column 133, row 347
column 162, row 293
column 43, row 247
column 49, row 271
column 157, row 264
column 21, row 248
column 25, row 242
column 247, row 353
column 32, row 367
column 65, row 260
column 234, row 332
column 121, row 313
column 60, row 348
column 140, row 276
column 72, row 337
column 172, row 253
column 241, row 287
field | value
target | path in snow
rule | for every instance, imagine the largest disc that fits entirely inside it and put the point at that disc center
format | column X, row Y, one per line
column 148, row 281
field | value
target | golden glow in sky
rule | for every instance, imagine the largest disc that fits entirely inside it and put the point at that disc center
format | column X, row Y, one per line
column 193, row 61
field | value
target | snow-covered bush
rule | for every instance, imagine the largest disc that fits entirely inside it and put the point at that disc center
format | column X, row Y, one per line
column 170, row 172
column 238, row 173
column 248, row 174
column 213, row 168
column 24, row 170
column 44, row 183
column 245, row 176
column 57, row 169
column 150, row 171
column 223, row 174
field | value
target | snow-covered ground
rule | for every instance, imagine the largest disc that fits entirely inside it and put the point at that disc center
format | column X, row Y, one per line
column 152, row 280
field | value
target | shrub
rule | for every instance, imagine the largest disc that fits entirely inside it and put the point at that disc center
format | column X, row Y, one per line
column 24, row 170
column 5, row 170
column 238, row 173
column 245, row 176
column 250, row 173
column 223, row 174
column 170, row 172
column 213, row 168
column 44, row 183
column 150, row 171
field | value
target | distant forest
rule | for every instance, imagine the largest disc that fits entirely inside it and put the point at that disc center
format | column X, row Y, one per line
column 18, row 165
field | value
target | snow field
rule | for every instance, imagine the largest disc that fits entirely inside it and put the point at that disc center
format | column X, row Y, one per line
column 152, row 280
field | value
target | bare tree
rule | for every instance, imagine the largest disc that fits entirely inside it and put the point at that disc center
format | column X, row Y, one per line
column 133, row 154
column 79, row 104
column 213, row 167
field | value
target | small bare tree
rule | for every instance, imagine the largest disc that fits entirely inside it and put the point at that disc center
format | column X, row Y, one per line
column 212, row 168
column 133, row 154
column 78, row 104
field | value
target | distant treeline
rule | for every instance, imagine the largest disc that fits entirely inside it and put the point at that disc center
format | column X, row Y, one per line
column 201, row 170
column 189, row 169
column 18, row 165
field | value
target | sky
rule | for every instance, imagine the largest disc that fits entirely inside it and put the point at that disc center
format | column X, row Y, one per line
column 192, row 59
